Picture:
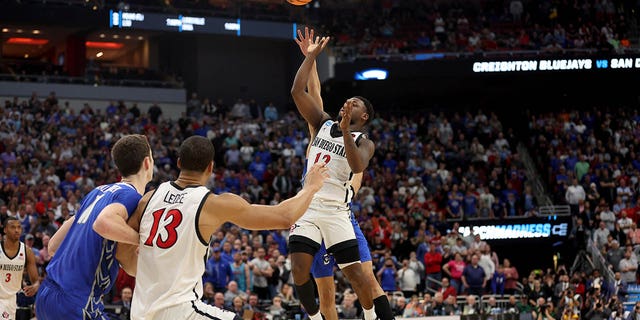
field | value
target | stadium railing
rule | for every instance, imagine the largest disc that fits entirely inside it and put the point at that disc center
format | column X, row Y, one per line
column 533, row 177
column 87, row 81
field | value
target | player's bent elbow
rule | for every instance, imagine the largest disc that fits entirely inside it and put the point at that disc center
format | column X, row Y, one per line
column 101, row 227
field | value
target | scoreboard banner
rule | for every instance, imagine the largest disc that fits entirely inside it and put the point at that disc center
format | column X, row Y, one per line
column 201, row 24
column 554, row 228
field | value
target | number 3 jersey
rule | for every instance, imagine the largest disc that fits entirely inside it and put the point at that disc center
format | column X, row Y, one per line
column 11, row 269
column 328, row 147
column 172, row 255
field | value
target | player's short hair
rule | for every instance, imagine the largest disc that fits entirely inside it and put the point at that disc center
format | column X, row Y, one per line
column 10, row 219
column 369, row 107
column 129, row 152
column 196, row 153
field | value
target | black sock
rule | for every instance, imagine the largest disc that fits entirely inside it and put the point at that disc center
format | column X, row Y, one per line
column 307, row 295
column 383, row 308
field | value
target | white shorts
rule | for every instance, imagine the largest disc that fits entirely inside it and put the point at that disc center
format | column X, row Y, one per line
column 192, row 310
column 8, row 308
column 328, row 221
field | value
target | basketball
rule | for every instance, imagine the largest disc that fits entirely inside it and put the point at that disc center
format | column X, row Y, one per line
column 298, row 2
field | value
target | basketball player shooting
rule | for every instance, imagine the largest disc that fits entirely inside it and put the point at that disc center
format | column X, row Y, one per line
column 322, row 268
column 345, row 150
column 175, row 223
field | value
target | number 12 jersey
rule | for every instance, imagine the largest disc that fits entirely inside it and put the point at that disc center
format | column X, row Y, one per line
column 328, row 147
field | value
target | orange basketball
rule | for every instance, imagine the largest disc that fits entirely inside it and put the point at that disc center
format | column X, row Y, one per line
column 298, row 2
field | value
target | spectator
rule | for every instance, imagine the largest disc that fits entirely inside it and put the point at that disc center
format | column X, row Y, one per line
column 238, row 307
column 261, row 271
column 232, row 292
column 454, row 269
column 241, row 272
column 408, row 279
column 217, row 272
column 270, row 112
column 628, row 267
column 208, row 293
column 498, row 281
column 276, row 308
column 348, row 309
column 473, row 277
column 600, row 235
column 126, row 296
column 399, row 306
column 446, row 289
column 575, row 194
column 471, row 307
column 413, row 309
column 218, row 301
column 433, row 262
column 387, row 276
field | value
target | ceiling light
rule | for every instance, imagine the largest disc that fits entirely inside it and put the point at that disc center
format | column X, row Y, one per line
column 5, row 30
column 28, row 41
column 127, row 37
column 103, row 45
column 140, row 38
column 99, row 54
column 36, row 31
column 115, row 36
column 26, row 55
column 19, row 31
column 102, row 35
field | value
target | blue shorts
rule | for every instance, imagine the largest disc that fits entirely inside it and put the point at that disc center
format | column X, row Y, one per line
column 53, row 304
column 323, row 262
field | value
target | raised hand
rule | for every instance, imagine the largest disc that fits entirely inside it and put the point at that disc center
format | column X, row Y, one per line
column 345, row 112
column 315, row 176
column 316, row 46
column 303, row 41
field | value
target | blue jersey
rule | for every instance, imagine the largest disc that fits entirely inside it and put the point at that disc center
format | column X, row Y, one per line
column 84, row 266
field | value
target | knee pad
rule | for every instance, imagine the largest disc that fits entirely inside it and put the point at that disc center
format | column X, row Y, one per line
column 302, row 244
column 345, row 252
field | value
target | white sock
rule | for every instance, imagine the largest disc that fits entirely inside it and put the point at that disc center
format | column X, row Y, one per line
column 316, row 316
column 369, row 314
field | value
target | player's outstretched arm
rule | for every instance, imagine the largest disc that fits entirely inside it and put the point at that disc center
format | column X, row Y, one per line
column 313, row 84
column 234, row 209
column 357, row 156
column 126, row 254
column 306, row 104
column 32, row 271
column 56, row 239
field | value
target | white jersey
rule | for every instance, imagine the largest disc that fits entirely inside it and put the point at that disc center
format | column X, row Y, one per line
column 172, row 255
column 11, row 269
column 328, row 147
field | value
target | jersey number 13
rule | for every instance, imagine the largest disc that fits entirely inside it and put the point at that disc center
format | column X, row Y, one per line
column 170, row 221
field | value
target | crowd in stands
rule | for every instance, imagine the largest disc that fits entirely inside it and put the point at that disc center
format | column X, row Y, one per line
column 590, row 162
column 429, row 173
column 393, row 27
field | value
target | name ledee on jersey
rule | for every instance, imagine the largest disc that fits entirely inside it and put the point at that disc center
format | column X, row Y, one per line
column 172, row 198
